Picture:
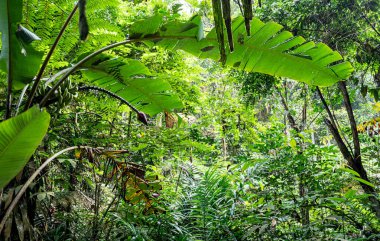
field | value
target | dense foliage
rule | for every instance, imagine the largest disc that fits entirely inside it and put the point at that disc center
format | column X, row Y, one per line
column 189, row 120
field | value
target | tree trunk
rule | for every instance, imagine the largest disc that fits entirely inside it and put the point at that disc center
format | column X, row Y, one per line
column 353, row 159
column 302, row 187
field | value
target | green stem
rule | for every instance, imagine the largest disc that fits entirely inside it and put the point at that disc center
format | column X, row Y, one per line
column 90, row 56
column 83, row 88
column 9, row 68
column 30, row 180
column 48, row 56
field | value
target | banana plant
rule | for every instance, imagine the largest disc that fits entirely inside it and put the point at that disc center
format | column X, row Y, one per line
column 20, row 135
column 269, row 49
column 19, row 138
column 131, row 80
column 18, row 58
column 21, row 62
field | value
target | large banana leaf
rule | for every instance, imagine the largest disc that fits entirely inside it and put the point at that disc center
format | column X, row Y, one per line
column 269, row 49
column 19, row 138
column 18, row 58
column 132, row 81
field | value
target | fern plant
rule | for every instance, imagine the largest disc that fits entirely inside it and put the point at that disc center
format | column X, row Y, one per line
column 206, row 206
column 267, row 49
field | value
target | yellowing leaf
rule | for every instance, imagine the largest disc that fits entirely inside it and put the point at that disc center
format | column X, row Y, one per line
column 77, row 153
column 376, row 107
column 293, row 143
column 261, row 186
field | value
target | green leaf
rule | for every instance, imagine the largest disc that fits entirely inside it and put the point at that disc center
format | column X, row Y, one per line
column 357, row 176
column 350, row 194
column 293, row 143
column 364, row 181
column 19, row 138
column 269, row 50
column 18, row 58
column 130, row 80
column 336, row 199
column 145, row 27
column 350, row 171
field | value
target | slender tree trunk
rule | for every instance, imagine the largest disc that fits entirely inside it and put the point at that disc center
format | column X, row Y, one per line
column 305, row 209
column 302, row 187
column 303, row 190
column 353, row 158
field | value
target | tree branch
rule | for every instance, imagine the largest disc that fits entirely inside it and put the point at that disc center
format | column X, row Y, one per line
column 326, row 108
column 354, row 160
column 304, row 110
column 333, row 120
column 339, row 141
column 347, row 103
column 291, row 120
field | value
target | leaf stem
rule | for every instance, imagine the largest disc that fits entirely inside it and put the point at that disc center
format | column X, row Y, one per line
column 9, row 68
column 48, row 56
column 21, row 98
column 30, row 180
column 90, row 56
column 82, row 88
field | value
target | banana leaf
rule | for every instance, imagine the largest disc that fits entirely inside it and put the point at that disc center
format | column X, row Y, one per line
column 269, row 49
column 19, row 138
column 18, row 58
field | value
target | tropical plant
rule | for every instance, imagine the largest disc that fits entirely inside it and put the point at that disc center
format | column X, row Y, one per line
column 20, row 136
column 209, row 207
column 146, row 182
column 267, row 50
